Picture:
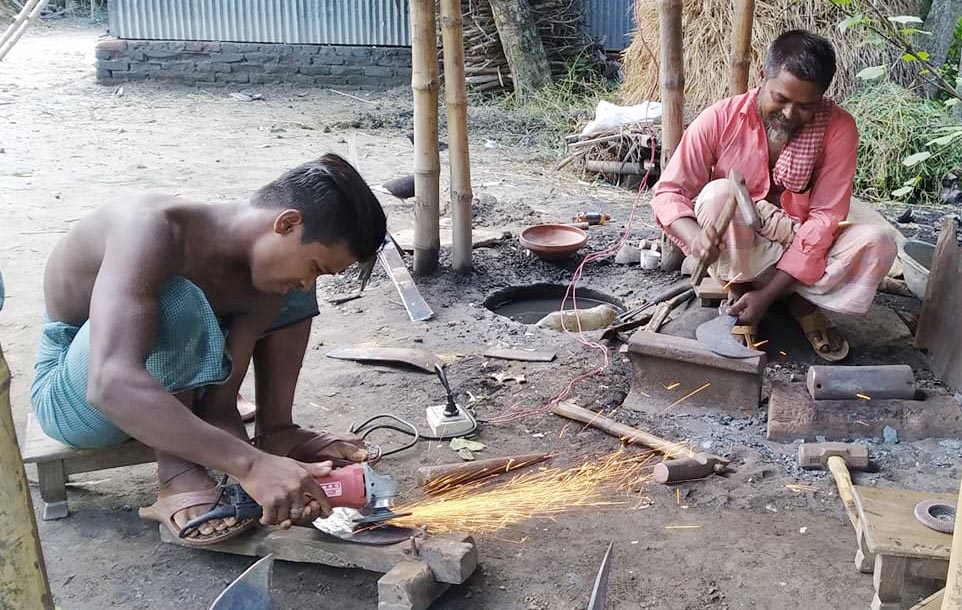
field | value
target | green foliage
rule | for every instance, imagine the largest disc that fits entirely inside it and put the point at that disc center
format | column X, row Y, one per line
column 907, row 145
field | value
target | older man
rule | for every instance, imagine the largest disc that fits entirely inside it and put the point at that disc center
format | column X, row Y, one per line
column 797, row 152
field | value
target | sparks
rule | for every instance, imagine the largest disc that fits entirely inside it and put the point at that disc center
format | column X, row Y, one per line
column 687, row 396
column 863, row 397
column 782, row 353
column 797, row 487
column 672, row 386
column 758, row 344
column 731, row 281
column 682, row 527
column 489, row 507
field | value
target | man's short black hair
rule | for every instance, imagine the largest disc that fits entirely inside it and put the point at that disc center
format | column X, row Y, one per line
column 334, row 201
column 806, row 55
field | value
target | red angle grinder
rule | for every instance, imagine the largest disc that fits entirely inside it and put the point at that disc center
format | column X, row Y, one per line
column 355, row 486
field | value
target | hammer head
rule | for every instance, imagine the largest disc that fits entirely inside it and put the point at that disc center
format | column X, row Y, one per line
column 814, row 456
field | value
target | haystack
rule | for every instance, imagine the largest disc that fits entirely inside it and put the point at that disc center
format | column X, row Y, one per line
column 708, row 26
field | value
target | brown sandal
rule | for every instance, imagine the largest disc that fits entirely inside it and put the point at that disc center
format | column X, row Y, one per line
column 817, row 329
column 164, row 509
column 307, row 451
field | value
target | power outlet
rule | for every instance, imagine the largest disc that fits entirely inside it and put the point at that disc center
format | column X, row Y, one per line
column 448, row 425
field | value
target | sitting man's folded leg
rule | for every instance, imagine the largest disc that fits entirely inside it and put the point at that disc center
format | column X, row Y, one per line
column 278, row 357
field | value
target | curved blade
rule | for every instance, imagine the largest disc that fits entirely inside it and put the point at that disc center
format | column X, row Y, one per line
column 717, row 336
column 599, row 593
column 250, row 591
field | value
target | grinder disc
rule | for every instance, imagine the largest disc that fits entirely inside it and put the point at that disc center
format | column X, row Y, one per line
column 343, row 524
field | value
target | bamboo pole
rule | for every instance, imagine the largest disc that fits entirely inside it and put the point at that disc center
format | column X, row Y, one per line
column 23, row 576
column 455, row 93
column 27, row 15
column 952, row 600
column 672, row 76
column 742, row 45
column 427, row 165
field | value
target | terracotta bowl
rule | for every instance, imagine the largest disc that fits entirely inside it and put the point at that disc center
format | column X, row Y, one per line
column 553, row 242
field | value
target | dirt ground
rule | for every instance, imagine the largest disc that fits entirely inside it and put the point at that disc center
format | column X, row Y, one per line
column 67, row 145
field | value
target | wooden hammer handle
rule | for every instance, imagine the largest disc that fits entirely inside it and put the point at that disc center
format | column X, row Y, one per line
column 843, row 480
column 610, row 426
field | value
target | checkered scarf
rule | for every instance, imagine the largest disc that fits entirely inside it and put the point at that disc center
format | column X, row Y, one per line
column 795, row 164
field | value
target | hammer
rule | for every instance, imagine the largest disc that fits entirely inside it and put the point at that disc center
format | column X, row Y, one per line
column 740, row 199
column 838, row 458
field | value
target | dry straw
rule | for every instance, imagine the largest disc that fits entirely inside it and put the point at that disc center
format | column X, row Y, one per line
column 708, row 27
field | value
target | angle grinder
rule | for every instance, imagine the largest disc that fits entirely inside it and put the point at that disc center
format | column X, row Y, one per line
column 355, row 486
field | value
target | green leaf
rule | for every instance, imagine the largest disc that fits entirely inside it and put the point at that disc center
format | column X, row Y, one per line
column 841, row 2
column 952, row 102
column 944, row 140
column 910, row 31
column 908, row 57
column 872, row 72
column 904, row 19
column 923, row 55
column 851, row 22
column 466, row 455
column 913, row 160
column 902, row 192
column 458, row 444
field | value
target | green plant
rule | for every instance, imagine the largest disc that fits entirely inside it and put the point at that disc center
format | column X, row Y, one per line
column 924, row 131
column 894, row 127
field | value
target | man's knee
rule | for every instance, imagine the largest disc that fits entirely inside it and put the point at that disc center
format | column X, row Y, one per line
column 711, row 198
column 878, row 241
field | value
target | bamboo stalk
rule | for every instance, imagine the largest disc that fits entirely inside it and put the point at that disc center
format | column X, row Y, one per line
column 456, row 96
column 23, row 575
column 427, row 164
column 672, row 76
column 952, row 600
column 26, row 16
column 742, row 45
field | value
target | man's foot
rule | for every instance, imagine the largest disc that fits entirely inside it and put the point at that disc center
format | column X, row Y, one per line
column 309, row 446
column 827, row 341
column 189, row 495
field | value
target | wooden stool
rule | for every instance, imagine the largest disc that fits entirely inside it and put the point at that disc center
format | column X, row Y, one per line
column 891, row 534
column 56, row 462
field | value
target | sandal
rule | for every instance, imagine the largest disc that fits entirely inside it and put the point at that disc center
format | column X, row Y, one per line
column 164, row 509
column 309, row 450
column 819, row 331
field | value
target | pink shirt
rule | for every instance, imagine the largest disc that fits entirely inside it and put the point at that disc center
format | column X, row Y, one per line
column 730, row 135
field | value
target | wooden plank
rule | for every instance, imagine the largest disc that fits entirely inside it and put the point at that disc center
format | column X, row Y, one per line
column 522, row 355
column 451, row 557
column 890, row 527
column 23, row 574
column 940, row 326
column 41, row 448
column 933, row 602
column 793, row 414
column 711, row 289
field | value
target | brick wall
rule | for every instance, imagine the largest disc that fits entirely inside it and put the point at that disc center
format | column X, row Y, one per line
column 210, row 64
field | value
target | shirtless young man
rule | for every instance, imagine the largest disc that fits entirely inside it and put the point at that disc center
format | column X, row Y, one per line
column 154, row 309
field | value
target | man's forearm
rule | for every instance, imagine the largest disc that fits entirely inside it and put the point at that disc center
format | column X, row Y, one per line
column 779, row 285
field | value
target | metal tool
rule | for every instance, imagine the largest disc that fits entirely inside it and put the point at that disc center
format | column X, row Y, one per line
column 354, row 486
column 249, row 591
column 698, row 466
column 740, row 199
column 599, row 593
column 717, row 336
column 417, row 308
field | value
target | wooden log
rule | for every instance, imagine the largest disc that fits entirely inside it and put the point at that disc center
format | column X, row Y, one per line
column 456, row 96
column 445, row 476
column 794, row 414
column 23, row 575
column 742, row 45
column 672, row 76
column 522, row 45
column 616, row 167
column 625, row 433
column 427, row 164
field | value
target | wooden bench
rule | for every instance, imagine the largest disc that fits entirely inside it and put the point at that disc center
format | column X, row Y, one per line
column 890, row 536
column 56, row 462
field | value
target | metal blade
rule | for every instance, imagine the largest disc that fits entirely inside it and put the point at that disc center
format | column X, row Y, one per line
column 599, row 593
column 717, row 336
column 417, row 308
column 250, row 591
